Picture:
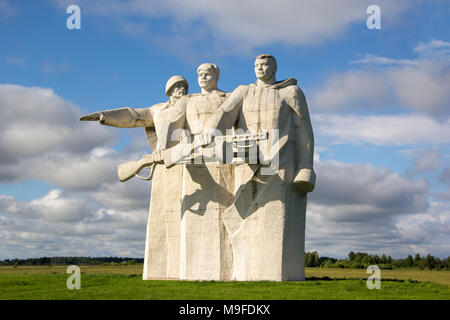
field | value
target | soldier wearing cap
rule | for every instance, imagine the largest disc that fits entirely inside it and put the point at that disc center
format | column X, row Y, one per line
column 162, row 251
column 205, row 246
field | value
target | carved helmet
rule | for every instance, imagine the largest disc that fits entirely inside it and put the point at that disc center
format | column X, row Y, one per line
column 173, row 81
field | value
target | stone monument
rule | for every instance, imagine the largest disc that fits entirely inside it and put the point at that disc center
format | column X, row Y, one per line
column 231, row 173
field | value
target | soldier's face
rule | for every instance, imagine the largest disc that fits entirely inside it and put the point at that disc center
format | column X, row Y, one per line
column 178, row 90
column 207, row 80
column 263, row 69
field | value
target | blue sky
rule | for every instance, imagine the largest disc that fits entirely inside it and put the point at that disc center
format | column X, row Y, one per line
column 379, row 103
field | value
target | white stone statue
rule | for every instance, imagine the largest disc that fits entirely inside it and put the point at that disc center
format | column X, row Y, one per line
column 266, row 222
column 232, row 220
column 206, row 190
column 162, row 252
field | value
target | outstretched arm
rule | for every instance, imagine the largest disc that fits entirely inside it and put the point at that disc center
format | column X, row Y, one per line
column 227, row 114
column 123, row 117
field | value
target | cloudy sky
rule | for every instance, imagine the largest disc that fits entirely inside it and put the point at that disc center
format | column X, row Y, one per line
column 379, row 102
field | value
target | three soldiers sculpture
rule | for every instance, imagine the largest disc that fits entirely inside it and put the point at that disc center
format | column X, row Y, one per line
column 230, row 176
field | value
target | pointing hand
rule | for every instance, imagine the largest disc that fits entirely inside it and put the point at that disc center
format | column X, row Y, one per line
column 96, row 116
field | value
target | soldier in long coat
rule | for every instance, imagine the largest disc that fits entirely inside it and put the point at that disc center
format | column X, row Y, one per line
column 162, row 246
column 266, row 222
column 206, row 190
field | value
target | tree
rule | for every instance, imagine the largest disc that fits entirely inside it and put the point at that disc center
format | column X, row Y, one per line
column 316, row 262
column 409, row 262
column 351, row 256
column 430, row 262
column 367, row 260
column 376, row 259
column 417, row 260
column 308, row 259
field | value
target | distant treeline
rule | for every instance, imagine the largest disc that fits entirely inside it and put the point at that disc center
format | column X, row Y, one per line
column 71, row 260
column 361, row 260
column 358, row 260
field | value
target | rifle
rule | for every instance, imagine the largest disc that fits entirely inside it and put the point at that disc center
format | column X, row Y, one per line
column 184, row 153
column 130, row 169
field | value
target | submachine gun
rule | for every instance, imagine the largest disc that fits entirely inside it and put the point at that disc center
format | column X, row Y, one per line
column 224, row 149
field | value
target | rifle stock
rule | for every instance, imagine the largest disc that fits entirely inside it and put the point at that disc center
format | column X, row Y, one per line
column 129, row 169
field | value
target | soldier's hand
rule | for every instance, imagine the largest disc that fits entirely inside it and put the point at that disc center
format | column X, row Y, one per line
column 96, row 116
column 157, row 156
column 205, row 139
column 208, row 136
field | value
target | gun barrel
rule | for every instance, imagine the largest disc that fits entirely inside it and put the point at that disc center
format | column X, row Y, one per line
column 262, row 135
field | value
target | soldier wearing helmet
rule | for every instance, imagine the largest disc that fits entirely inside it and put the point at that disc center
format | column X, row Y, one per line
column 162, row 252
column 176, row 87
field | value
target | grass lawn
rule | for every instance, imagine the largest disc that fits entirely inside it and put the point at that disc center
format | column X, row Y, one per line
column 124, row 282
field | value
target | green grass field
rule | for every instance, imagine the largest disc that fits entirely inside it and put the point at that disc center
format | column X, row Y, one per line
column 124, row 282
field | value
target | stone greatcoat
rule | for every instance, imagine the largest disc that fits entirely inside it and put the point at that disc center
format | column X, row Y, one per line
column 205, row 252
column 162, row 245
column 266, row 222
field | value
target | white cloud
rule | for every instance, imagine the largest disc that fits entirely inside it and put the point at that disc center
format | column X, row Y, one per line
column 372, row 59
column 42, row 138
column 350, row 90
column 424, row 160
column 443, row 195
column 444, row 176
column 364, row 192
column 428, row 232
column 131, row 195
column 88, row 212
column 54, row 207
column 423, row 88
column 433, row 48
column 84, row 171
column 419, row 85
column 245, row 23
column 354, row 207
column 383, row 130
column 362, row 208
column 374, row 209
column 69, row 224
column 35, row 120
